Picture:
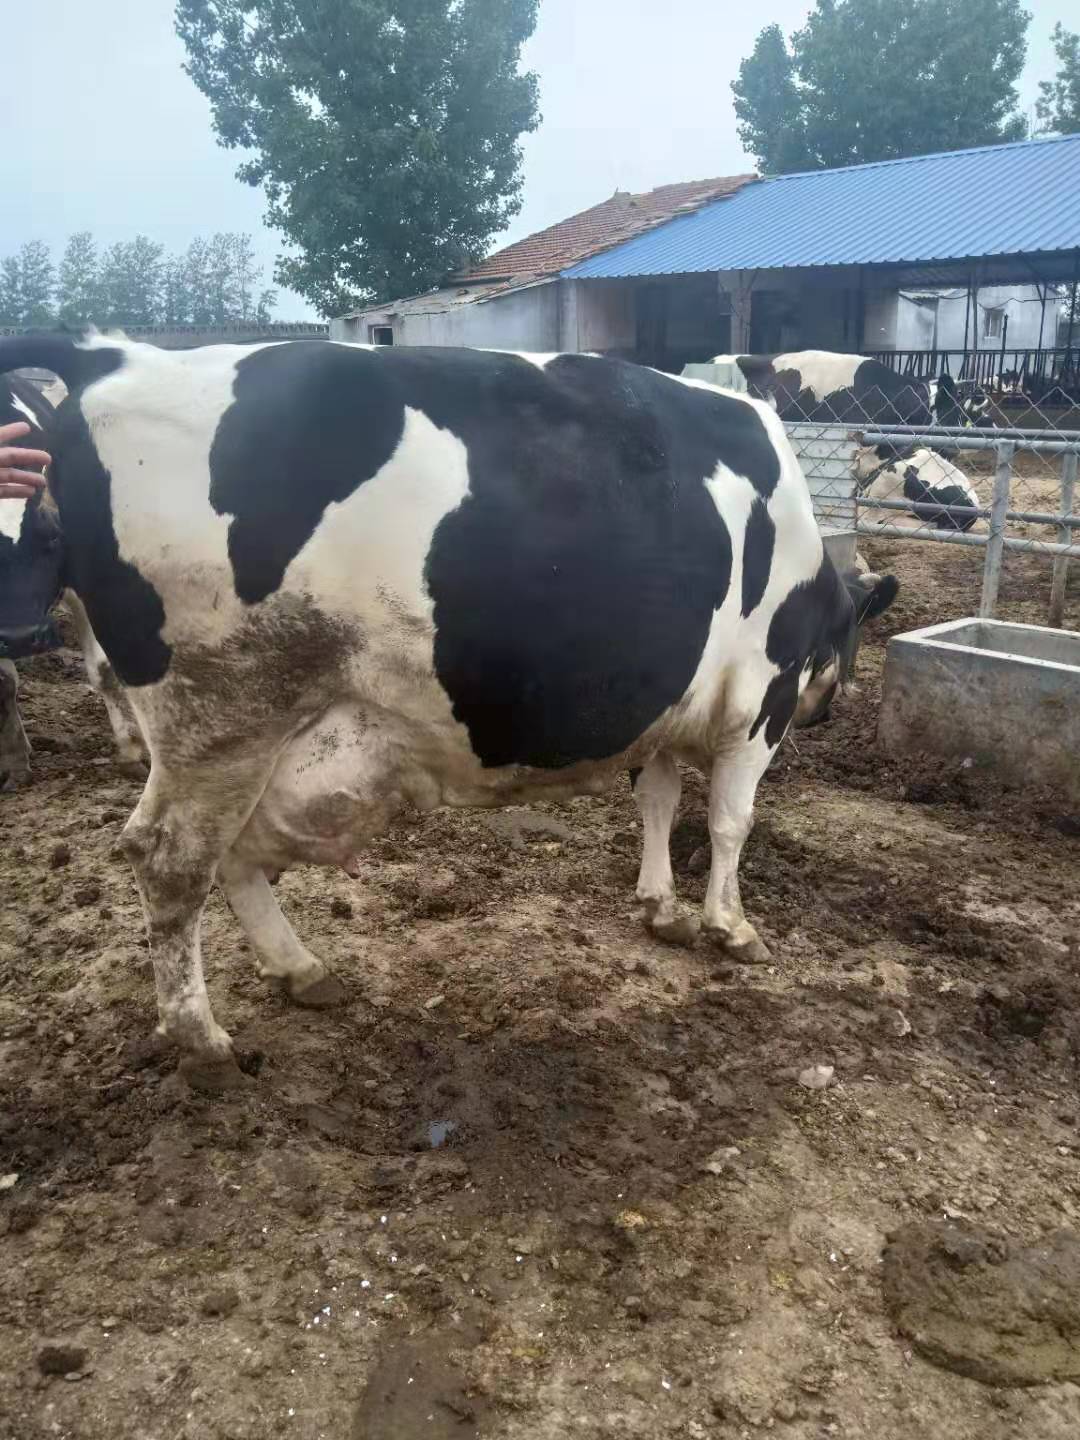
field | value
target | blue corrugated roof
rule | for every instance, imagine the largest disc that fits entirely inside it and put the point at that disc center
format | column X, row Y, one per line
column 996, row 200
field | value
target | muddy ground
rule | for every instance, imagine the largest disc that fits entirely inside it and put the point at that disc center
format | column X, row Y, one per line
column 542, row 1177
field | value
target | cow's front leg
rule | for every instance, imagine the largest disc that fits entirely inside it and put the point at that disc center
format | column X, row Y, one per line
column 175, row 838
column 732, row 787
column 14, row 746
column 657, row 789
column 281, row 955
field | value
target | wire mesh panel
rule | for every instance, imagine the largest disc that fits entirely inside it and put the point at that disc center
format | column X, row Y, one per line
column 971, row 482
column 924, row 457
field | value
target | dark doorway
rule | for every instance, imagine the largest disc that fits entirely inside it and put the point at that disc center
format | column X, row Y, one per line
column 680, row 322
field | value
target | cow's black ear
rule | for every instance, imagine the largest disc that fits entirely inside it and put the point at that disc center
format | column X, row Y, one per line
column 872, row 595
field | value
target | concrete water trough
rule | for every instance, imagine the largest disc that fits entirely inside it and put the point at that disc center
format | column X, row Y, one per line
column 1005, row 696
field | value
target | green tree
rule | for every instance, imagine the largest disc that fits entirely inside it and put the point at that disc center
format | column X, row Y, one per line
column 175, row 292
column 78, row 285
column 879, row 79
column 10, row 290
column 37, row 281
column 131, row 282
column 386, row 133
column 1058, row 105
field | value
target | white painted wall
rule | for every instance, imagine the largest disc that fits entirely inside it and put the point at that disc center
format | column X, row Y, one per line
column 1021, row 303
column 558, row 315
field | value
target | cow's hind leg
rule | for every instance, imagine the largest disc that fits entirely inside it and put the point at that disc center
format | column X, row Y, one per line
column 657, row 789
column 281, row 955
column 732, row 787
column 180, row 829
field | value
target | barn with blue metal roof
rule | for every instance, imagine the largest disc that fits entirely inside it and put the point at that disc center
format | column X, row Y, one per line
column 842, row 259
column 1015, row 208
column 962, row 260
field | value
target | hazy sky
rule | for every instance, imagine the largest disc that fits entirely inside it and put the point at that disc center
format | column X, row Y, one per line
column 103, row 131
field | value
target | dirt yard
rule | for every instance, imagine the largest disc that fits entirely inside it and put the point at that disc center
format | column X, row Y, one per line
column 542, row 1177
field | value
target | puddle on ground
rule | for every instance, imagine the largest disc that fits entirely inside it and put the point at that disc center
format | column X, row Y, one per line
column 439, row 1131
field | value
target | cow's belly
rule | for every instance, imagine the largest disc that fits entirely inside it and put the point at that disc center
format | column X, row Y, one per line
column 341, row 781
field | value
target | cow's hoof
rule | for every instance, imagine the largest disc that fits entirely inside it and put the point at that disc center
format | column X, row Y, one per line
column 752, row 951
column 13, row 779
column 679, row 929
column 212, row 1076
column 744, row 945
column 319, row 994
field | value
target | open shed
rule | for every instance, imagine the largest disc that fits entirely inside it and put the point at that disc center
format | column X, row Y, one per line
column 816, row 260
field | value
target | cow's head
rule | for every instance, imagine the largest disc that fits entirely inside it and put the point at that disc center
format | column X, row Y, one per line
column 860, row 597
column 31, row 576
column 953, row 408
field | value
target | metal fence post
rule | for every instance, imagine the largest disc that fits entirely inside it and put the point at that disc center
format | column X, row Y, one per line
column 995, row 545
column 1056, row 616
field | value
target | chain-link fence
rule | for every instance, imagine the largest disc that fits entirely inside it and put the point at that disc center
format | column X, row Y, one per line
column 977, row 484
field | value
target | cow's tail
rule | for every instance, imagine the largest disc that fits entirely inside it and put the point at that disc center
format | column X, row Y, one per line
column 76, row 363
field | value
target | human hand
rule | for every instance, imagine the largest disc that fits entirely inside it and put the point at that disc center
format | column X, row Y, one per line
column 18, row 477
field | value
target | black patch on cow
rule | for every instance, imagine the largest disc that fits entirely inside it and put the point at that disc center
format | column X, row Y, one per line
column 574, row 587
column 758, row 543
column 813, row 625
column 311, row 422
column 124, row 609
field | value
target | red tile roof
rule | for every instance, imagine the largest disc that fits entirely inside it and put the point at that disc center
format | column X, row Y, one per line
column 601, row 226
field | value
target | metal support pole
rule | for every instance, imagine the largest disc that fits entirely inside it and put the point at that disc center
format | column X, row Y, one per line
column 967, row 323
column 860, row 312
column 995, row 545
column 1061, row 562
column 1004, row 338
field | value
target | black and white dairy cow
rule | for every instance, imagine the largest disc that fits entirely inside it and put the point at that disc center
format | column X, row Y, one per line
column 338, row 580
column 31, row 576
column 937, row 493
column 822, row 385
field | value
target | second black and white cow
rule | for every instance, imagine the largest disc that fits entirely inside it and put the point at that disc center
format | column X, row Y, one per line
column 337, row 581
column 822, row 385
column 31, row 578
column 819, row 386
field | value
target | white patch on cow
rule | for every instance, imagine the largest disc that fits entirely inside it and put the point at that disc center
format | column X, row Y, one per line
column 11, row 517
column 395, row 737
column 21, row 405
column 734, row 671
column 159, row 460
column 823, row 372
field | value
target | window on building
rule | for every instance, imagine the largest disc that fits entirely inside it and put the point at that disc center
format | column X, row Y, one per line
column 993, row 323
column 380, row 334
